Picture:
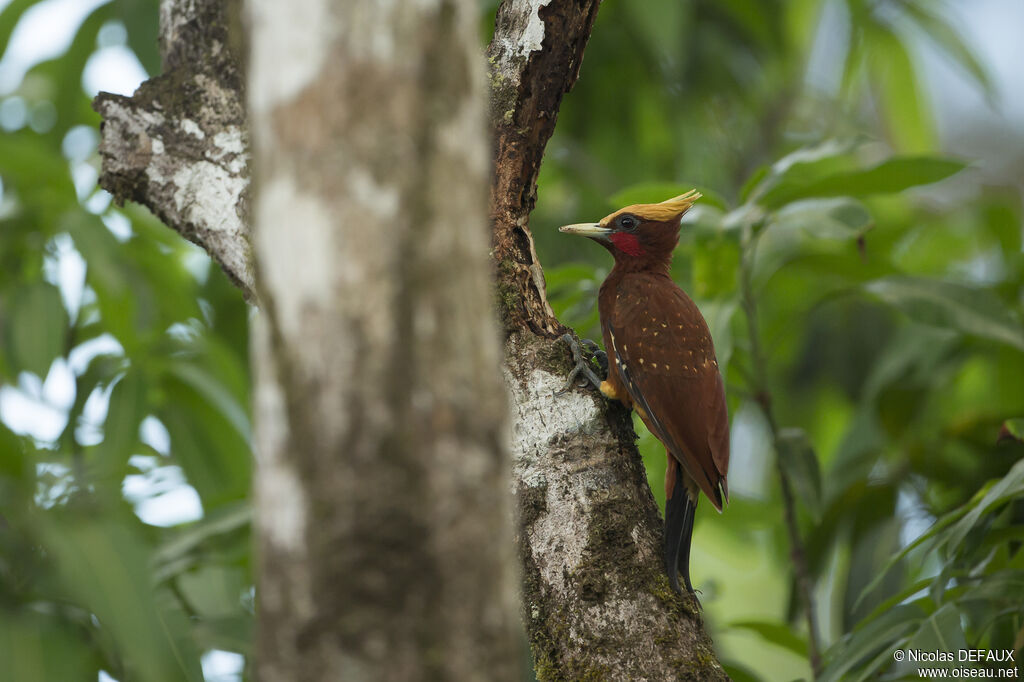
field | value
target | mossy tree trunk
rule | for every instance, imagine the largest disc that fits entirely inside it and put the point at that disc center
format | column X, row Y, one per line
column 595, row 600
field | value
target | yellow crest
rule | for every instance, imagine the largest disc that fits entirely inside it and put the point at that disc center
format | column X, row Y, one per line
column 670, row 209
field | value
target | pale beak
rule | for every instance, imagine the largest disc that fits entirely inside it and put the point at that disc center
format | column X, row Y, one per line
column 593, row 230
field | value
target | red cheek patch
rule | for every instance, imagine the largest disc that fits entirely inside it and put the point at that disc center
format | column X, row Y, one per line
column 627, row 243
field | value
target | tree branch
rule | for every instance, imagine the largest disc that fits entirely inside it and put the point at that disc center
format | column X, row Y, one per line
column 179, row 145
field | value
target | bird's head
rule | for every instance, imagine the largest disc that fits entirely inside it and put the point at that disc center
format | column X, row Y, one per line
column 641, row 232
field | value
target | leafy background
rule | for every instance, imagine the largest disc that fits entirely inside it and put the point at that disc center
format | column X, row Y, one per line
column 857, row 254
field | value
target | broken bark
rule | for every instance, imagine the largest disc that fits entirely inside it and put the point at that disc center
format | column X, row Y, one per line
column 180, row 144
column 595, row 599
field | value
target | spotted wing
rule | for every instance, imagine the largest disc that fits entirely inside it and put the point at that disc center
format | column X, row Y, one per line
column 664, row 355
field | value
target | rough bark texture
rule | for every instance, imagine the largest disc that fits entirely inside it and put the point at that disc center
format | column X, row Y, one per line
column 384, row 522
column 179, row 145
column 595, row 602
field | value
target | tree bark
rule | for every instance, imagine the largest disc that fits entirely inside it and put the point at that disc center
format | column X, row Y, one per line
column 595, row 600
column 179, row 145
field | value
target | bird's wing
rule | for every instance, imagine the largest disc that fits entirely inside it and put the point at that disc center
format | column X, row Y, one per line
column 663, row 352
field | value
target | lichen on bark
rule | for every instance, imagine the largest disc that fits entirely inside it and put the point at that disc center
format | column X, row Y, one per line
column 179, row 145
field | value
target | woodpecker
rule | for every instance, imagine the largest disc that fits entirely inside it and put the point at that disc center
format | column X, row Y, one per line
column 662, row 363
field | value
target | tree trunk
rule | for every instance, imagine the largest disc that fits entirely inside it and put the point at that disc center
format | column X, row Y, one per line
column 597, row 603
column 384, row 527
column 374, row 352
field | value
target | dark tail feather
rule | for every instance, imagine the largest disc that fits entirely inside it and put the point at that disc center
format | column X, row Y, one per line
column 679, row 513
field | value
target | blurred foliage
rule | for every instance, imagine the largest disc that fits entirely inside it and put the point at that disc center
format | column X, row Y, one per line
column 124, row 388
column 888, row 307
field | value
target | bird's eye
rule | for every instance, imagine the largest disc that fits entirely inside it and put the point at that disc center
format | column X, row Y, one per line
column 627, row 222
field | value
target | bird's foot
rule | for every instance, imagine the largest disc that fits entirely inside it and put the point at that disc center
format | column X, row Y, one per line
column 585, row 353
column 686, row 590
column 693, row 594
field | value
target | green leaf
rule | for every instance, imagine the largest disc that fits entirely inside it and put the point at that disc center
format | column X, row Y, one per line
column 940, row 631
column 102, row 568
column 105, row 273
column 987, row 499
column 40, row 176
column 904, row 108
column 1012, row 429
column 826, row 157
column 896, row 599
column 811, row 226
column 994, row 588
column 951, row 529
column 12, row 456
column 800, row 463
column 121, row 429
column 213, row 591
column 969, row 310
column 777, row 633
column 37, row 647
column 176, row 553
column 233, row 633
column 215, row 392
column 838, row 218
column 799, row 169
column 868, row 638
column 215, row 456
column 740, row 673
column 889, row 177
column 37, row 328
column 101, row 371
column 752, row 183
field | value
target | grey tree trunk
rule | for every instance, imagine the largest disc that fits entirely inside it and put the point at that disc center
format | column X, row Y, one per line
column 379, row 431
column 385, row 534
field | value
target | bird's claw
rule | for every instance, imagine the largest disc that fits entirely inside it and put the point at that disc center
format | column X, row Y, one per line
column 583, row 366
